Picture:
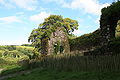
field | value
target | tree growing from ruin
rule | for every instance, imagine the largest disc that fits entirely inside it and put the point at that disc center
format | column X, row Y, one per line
column 50, row 25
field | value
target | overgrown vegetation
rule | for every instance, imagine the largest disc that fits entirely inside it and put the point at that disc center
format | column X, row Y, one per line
column 50, row 24
column 98, row 62
column 11, row 55
column 112, row 48
column 86, row 41
column 109, row 18
column 117, row 32
column 15, row 51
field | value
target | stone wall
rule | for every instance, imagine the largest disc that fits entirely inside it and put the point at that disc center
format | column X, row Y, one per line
column 60, row 37
column 57, row 37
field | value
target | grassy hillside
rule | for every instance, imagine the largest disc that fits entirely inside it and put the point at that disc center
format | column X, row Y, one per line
column 15, row 51
column 67, row 66
column 86, row 41
column 10, row 55
column 73, row 67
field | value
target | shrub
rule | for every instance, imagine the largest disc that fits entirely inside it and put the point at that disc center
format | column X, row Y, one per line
column 86, row 41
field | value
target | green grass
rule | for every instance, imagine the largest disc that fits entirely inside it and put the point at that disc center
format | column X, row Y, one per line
column 45, row 74
column 27, row 47
column 12, row 70
column 8, row 61
column 6, row 64
column 9, row 66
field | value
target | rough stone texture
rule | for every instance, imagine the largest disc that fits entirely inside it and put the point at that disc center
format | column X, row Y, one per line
column 58, row 36
column 108, row 22
column 44, row 46
column 106, row 35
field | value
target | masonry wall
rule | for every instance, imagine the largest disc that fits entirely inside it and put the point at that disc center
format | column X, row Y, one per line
column 58, row 36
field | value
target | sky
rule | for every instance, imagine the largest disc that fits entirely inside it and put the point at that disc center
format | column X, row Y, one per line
column 19, row 17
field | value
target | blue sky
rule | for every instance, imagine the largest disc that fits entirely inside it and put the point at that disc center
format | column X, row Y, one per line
column 19, row 17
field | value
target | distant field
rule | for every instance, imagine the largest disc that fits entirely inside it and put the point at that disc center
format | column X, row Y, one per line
column 10, row 55
column 27, row 47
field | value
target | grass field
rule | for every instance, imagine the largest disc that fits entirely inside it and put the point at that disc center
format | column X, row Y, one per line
column 61, row 67
column 9, row 57
column 45, row 74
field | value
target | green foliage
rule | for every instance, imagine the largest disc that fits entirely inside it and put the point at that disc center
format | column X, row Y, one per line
column 1, row 53
column 112, row 48
column 36, row 54
column 12, row 69
column 117, row 34
column 70, row 25
column 114, row 45
column 10, row 57
column 16, row 51
column 50, row 25
column 61, row 49
column 111, row 11
column 26, row 45
column 110, row 16
column 85, row 41
column 58, row 48
column 8, row 63
column 10, row 48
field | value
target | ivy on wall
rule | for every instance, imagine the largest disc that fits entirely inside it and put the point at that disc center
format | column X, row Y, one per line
column 49, row 26
column 110, row 16
column 58, row 48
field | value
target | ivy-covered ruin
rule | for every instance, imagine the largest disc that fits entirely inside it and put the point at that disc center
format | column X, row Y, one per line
column 108, row 22
column 57, row 43
column 51, row 37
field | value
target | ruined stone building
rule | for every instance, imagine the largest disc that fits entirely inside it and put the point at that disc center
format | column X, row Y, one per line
column 108, row 22
column 57, row 43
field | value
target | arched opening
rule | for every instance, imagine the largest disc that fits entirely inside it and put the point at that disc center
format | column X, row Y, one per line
column 58, row 48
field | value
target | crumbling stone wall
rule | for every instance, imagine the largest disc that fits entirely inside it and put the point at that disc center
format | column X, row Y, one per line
column 108, row 22
column 58, row 38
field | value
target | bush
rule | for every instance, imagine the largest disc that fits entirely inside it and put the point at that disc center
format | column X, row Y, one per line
column 16, row 51
column 86, row 41
column 114, row 45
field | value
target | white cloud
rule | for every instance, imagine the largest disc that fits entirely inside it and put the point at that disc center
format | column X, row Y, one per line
column 26, row 4
column 6, row 4
column 80, row 32
column 77, row 32
column 10, row 19
column 90, row 6
column 20, row 13
column 39, row 18
column 61, row 2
